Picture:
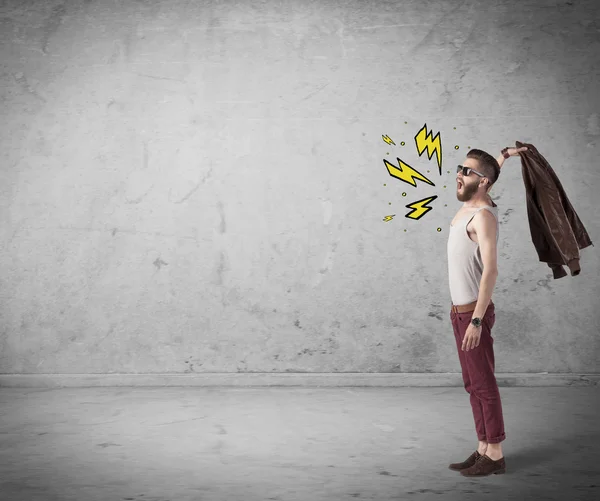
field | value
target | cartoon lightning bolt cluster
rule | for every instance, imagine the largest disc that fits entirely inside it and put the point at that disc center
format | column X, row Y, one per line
column 424, row 141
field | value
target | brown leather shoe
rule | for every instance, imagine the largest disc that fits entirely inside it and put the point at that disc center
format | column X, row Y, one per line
column 472, row 459
column 485, row 466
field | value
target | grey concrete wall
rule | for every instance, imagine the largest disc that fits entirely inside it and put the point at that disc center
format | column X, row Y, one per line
column 200, row 186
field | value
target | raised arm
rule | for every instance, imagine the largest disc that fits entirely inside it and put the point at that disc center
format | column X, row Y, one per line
column 511, row 152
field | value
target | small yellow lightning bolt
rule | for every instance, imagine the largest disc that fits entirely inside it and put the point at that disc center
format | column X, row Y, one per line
column 424, row 139
column 389, row 218
column 405, row 173
column 420, row 208
column 388, row 139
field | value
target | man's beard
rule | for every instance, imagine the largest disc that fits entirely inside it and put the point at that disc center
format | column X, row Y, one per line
column 467, row 192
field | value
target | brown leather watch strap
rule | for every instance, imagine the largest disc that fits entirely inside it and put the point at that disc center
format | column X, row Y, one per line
column 505, row 153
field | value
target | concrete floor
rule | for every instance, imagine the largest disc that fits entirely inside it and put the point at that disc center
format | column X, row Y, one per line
column 178, row 444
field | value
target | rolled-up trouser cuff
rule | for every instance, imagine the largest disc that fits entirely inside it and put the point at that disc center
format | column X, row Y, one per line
column 496, row 440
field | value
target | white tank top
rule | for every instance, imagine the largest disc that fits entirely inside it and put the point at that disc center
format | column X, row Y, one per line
column 465, row 266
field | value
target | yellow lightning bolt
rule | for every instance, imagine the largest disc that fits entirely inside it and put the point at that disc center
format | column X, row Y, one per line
column 423, row 139
column 405, row 173
column 389, row 218
column 419, row 208
column 388, row 139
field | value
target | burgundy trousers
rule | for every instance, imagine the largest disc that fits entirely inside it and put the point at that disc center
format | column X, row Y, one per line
column 477, row 366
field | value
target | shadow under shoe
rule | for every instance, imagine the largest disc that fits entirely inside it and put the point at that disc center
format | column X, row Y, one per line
column 470, row 461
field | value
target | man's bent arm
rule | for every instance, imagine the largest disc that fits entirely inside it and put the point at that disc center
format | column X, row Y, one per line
column 486, row 288
column 500, row 160
column 512, row 152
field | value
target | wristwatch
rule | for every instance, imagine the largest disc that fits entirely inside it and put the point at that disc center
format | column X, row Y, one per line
column 505, row 153
column 476, row 321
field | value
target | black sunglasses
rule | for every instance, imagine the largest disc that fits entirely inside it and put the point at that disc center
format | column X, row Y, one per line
column 467, row 170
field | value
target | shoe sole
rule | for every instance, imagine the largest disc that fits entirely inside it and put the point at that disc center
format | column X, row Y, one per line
column 499, row 472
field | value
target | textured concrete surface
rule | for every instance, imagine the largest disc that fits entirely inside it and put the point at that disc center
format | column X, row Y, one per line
column 175, row 444
column 289, row 379
column 193, row 187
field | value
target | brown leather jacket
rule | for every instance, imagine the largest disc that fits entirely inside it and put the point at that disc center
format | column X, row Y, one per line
column 556, row 231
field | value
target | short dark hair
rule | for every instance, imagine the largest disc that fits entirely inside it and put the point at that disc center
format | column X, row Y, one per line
column 488, row 165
